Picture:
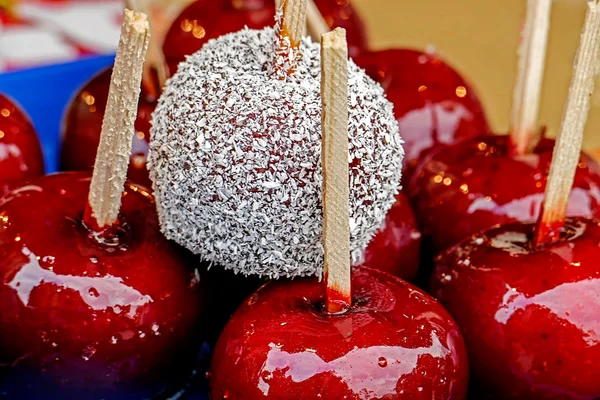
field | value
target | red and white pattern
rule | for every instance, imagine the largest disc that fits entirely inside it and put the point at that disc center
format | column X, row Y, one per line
column 43, row 32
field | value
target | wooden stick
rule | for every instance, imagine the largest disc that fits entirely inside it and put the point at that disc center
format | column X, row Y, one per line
column 156, row 70
column 317, row 26
column 336, row 209
column 112, row 159
column 526, row 97
column 289, row 31
column 568, row 145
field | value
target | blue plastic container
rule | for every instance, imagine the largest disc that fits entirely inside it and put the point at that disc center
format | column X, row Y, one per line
column 44, row 94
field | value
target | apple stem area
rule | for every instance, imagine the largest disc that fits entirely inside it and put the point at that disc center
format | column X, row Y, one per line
column 568, row 144
column 289, row 30
column 336, row 207
column 525, row 133
column 112, row 159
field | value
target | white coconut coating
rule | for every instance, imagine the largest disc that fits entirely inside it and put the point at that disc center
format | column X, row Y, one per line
column 235, row 158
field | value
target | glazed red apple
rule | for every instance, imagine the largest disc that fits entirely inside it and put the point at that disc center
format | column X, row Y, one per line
column 530, row 317
column 20, row 151
column 434, row 105
column 85, row 318
column 476, row 184
column 83, row 124
column 207, row 19
column 395, row 249
column 394, row 343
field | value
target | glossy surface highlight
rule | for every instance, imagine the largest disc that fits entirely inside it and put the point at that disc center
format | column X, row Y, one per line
column 20, row 150
column 208, row 19
column 83, row 125
column 81, row 319
column 530, row 317
column 476, row 184
column 433, row 104
column 395, row 342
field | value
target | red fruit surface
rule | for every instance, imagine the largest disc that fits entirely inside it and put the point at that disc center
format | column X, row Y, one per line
column 396, row 247
column 476, row 184
column 208, row 19
column 395, row 342
column 20, row 150
column 530, row 317
column 83, row 124
column 434, row 105
column 81, row 319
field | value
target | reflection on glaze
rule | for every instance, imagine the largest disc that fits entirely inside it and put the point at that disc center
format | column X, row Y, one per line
column 395, row 343
column 584, row 314
column 83, row 124
column 11, row 150
column 386, row 366
column 203, row 20
column 584, row 202
column 20, row 151
column 433, row 104
column 476, row 184
column 81, row 320
column 530, row 316
column 98, row 293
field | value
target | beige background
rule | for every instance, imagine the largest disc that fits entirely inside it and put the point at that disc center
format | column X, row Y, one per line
column 480, row 38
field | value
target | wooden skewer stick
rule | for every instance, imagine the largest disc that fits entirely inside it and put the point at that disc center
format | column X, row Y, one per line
column 568, row 145
column 155, row 58
column 289, row 32
column 112, row 159
column 336, row 208
column 317, row 26
column 525, row 132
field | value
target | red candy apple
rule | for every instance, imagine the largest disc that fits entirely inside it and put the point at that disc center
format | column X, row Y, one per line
column 20, row 151
column 476, row 184
column 530, row 317
column 433, row 104
column 83, row 122
column 207, row 19
column 394, row 343
column 396, row 248
column 527, row 295
column 83, row 318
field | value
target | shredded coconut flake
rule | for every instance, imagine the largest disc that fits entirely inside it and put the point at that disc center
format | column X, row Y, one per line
column 235, row 158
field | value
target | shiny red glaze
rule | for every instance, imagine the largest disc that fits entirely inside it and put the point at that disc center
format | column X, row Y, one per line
column 530, row 318
column 20, row 151
column 433, row 104
column 395, row 249
column 83, row 320
column 83, row 124
column 395, row 343
column 208, row 19
column 476, row 184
